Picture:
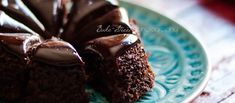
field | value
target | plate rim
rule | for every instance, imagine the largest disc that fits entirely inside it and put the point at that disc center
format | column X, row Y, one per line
column 208, row 67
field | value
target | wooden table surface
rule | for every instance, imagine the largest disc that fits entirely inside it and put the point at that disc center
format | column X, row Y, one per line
column 218, row 35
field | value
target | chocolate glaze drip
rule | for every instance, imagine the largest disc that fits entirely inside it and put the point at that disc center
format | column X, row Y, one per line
column 114, row 22
column 19, row 23
column 84, row 11
column 55, row 52
column 18, row 43
column 17, row 10
column 9, row 25
column 49, row 12
column 112, row 45
column 93, row 13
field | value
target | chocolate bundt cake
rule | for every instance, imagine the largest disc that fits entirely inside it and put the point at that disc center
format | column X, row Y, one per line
column 51, row 49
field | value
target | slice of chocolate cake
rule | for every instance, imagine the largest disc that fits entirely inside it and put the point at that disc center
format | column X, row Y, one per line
column 118, row 67
column 13, row 68
column 56, row 74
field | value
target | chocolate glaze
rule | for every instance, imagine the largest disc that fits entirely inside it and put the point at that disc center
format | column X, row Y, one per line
column 111, row 21
column 17, row 10
column 22, row 40
column 49, row 12
column 9, row 25
column 84, row 11
column 55, row 52
column 111, row 46
column 18, row 43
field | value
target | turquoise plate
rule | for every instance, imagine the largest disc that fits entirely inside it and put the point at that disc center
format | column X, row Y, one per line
column 178, row 59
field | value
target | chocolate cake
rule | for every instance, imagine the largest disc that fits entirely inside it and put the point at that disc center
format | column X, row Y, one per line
column 49, row 51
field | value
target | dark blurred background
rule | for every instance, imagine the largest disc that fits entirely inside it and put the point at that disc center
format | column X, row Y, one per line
column 222, row 8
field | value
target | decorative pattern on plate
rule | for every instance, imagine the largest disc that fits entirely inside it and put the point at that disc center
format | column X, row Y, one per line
column 175, row 55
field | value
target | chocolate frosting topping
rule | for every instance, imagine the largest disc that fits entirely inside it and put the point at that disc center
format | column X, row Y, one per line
column 9, row 25
column 87, row 15
column 57, row 52
column 49, row 12
column 32, row 28
column 114, row 22
column 17, row 10
column 112, row 45
column 19, row 43
column 84, row 11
